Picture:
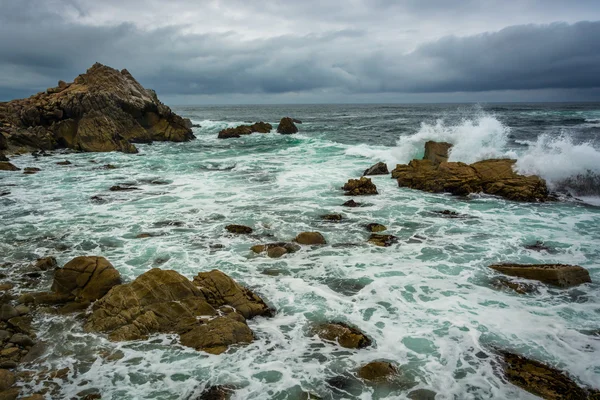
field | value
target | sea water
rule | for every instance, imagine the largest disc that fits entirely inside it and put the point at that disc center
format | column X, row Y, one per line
column 428, row 302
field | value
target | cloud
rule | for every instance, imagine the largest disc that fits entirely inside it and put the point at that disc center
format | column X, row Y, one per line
column 44, row 42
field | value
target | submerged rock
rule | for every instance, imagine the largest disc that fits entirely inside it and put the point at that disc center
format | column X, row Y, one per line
column 360, row 187
column 344, row 334
column 539, row 246
column 239, row 229
column 66, row 162
column 542, row 380
column 6, row 166
column 286, row 126
column 310, row 238
column 437, row 152
column 518, row 287
column 554, row 274
column 124, row 188
column 276, row 252
column 31, row 170
column 102, row 110
column 86, row 278
column 376, row 227
column 351, row 203
column 495, row 177
column 260, row 127
column 422, row 394
column 377, row 371
column 378, row 169
column 46, row 263
column 216, row 393
column 382, row 240
column 332, row 217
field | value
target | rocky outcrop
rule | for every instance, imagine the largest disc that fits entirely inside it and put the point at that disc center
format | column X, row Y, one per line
column 6, row 166
column 377, row 371
column 377, row 169
column 360, row 187
column 437, row 152
column 542, row 380
column 382, row 240
column 553, row 274
column 260, row 127
column 86, row 278
column 286, row 126
column 102, row 110
column 495, row 177
column 310, row 238
column 343, row 334
column 209, row 314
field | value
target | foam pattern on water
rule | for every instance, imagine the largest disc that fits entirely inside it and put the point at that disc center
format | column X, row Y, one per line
column 427, row 302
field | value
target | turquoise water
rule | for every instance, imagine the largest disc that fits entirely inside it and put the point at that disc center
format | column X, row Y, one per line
column 427, row 302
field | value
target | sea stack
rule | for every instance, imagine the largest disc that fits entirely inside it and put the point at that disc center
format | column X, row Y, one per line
column 102, row 110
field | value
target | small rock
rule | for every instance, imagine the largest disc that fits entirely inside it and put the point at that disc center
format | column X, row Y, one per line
column 332, row 217
column 21, row 340
column 377, row 169
column 22, row 309
column 46, row 263
column 345, row 335
column 34, row 397
column 10, row 352
column 422, row 394
column 7, row 312
column 216, row 393
column 286, row 126
column 144, row 235
column 6, row 286
column 6, row 166
column 377, row 371
column 351, row 203
column 10, row 394
column 376, row 227
column 310, row 238
column 7, row 379
column 276, row 252
column 360, row 187
column 519, row 287
column 87, row 278
column 22, row 324
column 31, row 170
column 239, row 229
column 109, row 166
column 8, row 364
column 66, row 162
column 538, row 246
column 118, row 188
column 4, row 335
column 554, row 274
column 382, row 240
column 98, row 199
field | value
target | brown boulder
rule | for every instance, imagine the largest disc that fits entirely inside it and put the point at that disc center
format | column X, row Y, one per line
column 310, row 238
column 360, row 187
column 260, row 127
column 436, row 152
column 382, row 240
column 289, row 247
column 239, row 229
column 377, row 371
column 377, row 169
column 286, row 126
column 376, row 227
column 46, row 263
column 31, row 170
column 553, row 274
column 86, row 278
column 494, row 177
column 7, row 379
column 102, row 110
column 216, row 393
column 6, row 166
column 3, row 142
column 220, row 290
column 351, row 203
column 276, row 252
column 542, row 380
column 332, row 217
column 216, row 335
column 345, row 335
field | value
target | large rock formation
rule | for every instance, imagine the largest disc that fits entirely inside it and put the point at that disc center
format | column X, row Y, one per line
column 260, row 127
column 553, row 274
column 86, row 278
column 436, row 152
column 102, row 110
column 286, row 126
column 495, row 177
column 209, row 314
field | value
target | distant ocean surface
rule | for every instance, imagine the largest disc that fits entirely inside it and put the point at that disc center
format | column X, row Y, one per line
column 428, row 302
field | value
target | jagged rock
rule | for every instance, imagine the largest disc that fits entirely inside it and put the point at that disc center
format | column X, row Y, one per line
column 260, row 127
column 377, row 371
column 310, row 238
column 542, row 380
column 360, row 187
column 553, row 274
column 66, row 162
column 382, row 240
column 378, row 169
column 351, row 203
column 86, row 278
column 220, row 290
column 332, row 217
column 6, row 166
column 239, row 229
column 286, row 126
column 495, row 177
column 165, row 301
column 345, row 335
column 102, row 110
column 31, row 170
column 376, row 227
column 46, row 263
column 436, row 152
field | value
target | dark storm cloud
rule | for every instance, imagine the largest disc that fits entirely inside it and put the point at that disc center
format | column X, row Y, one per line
column 43, row 42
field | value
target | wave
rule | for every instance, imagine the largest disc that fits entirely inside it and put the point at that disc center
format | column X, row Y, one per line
column 564, row 164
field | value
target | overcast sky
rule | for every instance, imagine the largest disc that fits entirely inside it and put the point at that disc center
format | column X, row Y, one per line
column 310, row 51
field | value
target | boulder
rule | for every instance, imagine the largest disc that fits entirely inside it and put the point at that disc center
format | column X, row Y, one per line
column 437, row 152
column 378, row 169
column 217, row 334
column 376, row 227
column 289, row 247
column 310, row 238
column 359, row 187
column 495, row 177
column 31, row 170
column 542, row 380
column 553, row 274
column 382, row 240
column 276, row 252
column 3, row 157
column 260, row 127
column 7, row 379
column 377, row 371
column 332, row 217
column 220, row 290
column 66, row 162
column 102, row 110
column 3, row 142
column 351, row 203
column 239, row 229
column 46, row 263
column 7, row 312
column 344, row 334
column 422, row 394
column 6, row 166
column 86, row 278
column 286, row 126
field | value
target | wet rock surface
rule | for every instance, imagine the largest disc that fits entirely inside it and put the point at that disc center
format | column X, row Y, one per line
column 102, row 110
column 377, row 371
column 86, row 278
column 378, row 169
column 258, row 127
column 239, row 229
column 343, row 334
column 437, row 152
column 382, row 240
column 554, row 274
column 310, row 238
column 286, row 126
column 360, row 187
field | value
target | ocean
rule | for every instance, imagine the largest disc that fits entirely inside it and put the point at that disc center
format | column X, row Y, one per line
column 428, row 302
